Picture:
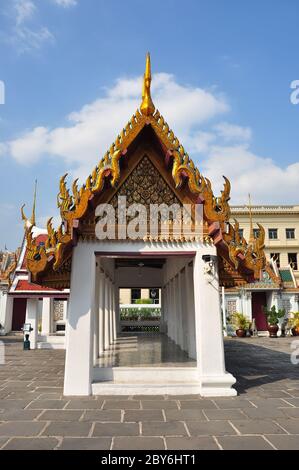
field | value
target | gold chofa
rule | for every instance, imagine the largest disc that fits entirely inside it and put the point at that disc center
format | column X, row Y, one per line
column 147, row 107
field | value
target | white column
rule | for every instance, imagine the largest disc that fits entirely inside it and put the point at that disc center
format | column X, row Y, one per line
column 214, row 379
column 180, row 311
column 47, row 316
column 163, row 310
column 116, row 303
column 32, row 318
column 191, row 333
column 7, row 309
column 111, row 311
column 176, row 309
column 96, row 314
column 102, row 313
column 107, row 320
column 114, row 313
column 184, row 311
column 79, row 327
column 170, row 310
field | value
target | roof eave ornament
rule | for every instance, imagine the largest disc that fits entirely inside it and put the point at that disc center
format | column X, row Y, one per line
column 147, row 107
column 32, row 221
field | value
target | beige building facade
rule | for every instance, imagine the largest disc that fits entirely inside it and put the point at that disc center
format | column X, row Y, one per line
column 281, row 224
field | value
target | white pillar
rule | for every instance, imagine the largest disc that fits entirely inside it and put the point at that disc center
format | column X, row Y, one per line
column 117, row 312
column 191, row 333
column 47, row 316
column 163, row 310
column 102, row 313
column 96, row 314
column 214, row 379
column 114, row 313
column 185, row 312
column 107, row 321
column 180, row 311
column 170, row 310
column 32, row 318
column 223, row 310
column 6, row 311
column 111, row 339
column 79, row 328
column 176, row 310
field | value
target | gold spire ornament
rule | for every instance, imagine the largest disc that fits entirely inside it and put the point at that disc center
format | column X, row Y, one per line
column 147, row 107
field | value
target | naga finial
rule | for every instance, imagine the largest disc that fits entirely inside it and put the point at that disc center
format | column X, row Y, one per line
column 147, row 106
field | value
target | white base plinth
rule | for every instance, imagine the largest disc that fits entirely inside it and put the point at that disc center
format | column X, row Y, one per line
column 160, row 381
column 218, row 386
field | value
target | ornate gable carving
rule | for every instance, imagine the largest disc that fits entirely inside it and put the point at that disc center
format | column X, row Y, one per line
column 145, row 186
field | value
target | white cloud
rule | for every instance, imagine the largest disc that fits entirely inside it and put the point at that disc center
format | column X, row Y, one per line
column 24, row 33
column 24, row 10
column 218, row 149
column 232, row 132
column 249, row 173
column 93, row 128
column 66, row 3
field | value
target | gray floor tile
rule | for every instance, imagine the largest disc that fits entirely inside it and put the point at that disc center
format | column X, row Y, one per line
column 210, row 428
column 171, row 428
column 284, row 441
column 21, row 428
column 143, row 415
column 39, row 443
column 89, row 443
column 138, row 443
column 192, row 443
column 68, row 429
column 116, row 429
column 244, row 443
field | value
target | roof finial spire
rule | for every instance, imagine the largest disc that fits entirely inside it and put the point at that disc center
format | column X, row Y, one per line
column 147, row 106
column 32, row 220
column 251, row 234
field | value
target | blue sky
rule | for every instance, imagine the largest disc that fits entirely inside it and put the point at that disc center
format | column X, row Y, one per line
column 72, row 71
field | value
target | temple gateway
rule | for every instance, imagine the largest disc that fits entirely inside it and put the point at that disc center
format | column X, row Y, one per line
column 148, row 166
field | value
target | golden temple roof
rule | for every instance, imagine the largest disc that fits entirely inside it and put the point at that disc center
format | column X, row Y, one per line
column 73, row 206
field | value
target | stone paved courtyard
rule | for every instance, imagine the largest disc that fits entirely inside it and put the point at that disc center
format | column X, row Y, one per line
column 35, row 415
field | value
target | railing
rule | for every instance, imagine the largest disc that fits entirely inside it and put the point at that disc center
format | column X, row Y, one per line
column 142, row 318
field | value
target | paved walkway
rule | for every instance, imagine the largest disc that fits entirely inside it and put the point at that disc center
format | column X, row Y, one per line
column 35, row 415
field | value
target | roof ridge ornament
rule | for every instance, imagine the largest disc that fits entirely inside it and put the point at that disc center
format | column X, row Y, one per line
column 32, row 221
column 147, row 107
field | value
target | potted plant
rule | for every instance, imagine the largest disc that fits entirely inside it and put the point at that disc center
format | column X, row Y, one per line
column 294, row 323
column 240, row 323
column 273, row 317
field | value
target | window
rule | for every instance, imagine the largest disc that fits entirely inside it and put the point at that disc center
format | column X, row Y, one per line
column 241, row 231
column 231, row 307
column 154, row 295
column 290, row 233
column 135, row 295
column 292, row 259
column 276, row 257
column 256, row 232
column 272, row 232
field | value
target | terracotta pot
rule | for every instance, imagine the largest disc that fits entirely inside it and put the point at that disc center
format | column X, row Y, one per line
column 295, row 331
column 241, row 333
column 273, row 329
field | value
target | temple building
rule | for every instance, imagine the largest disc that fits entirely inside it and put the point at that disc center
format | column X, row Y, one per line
column 281, row 231
column 18, row 295
column 188, row 261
